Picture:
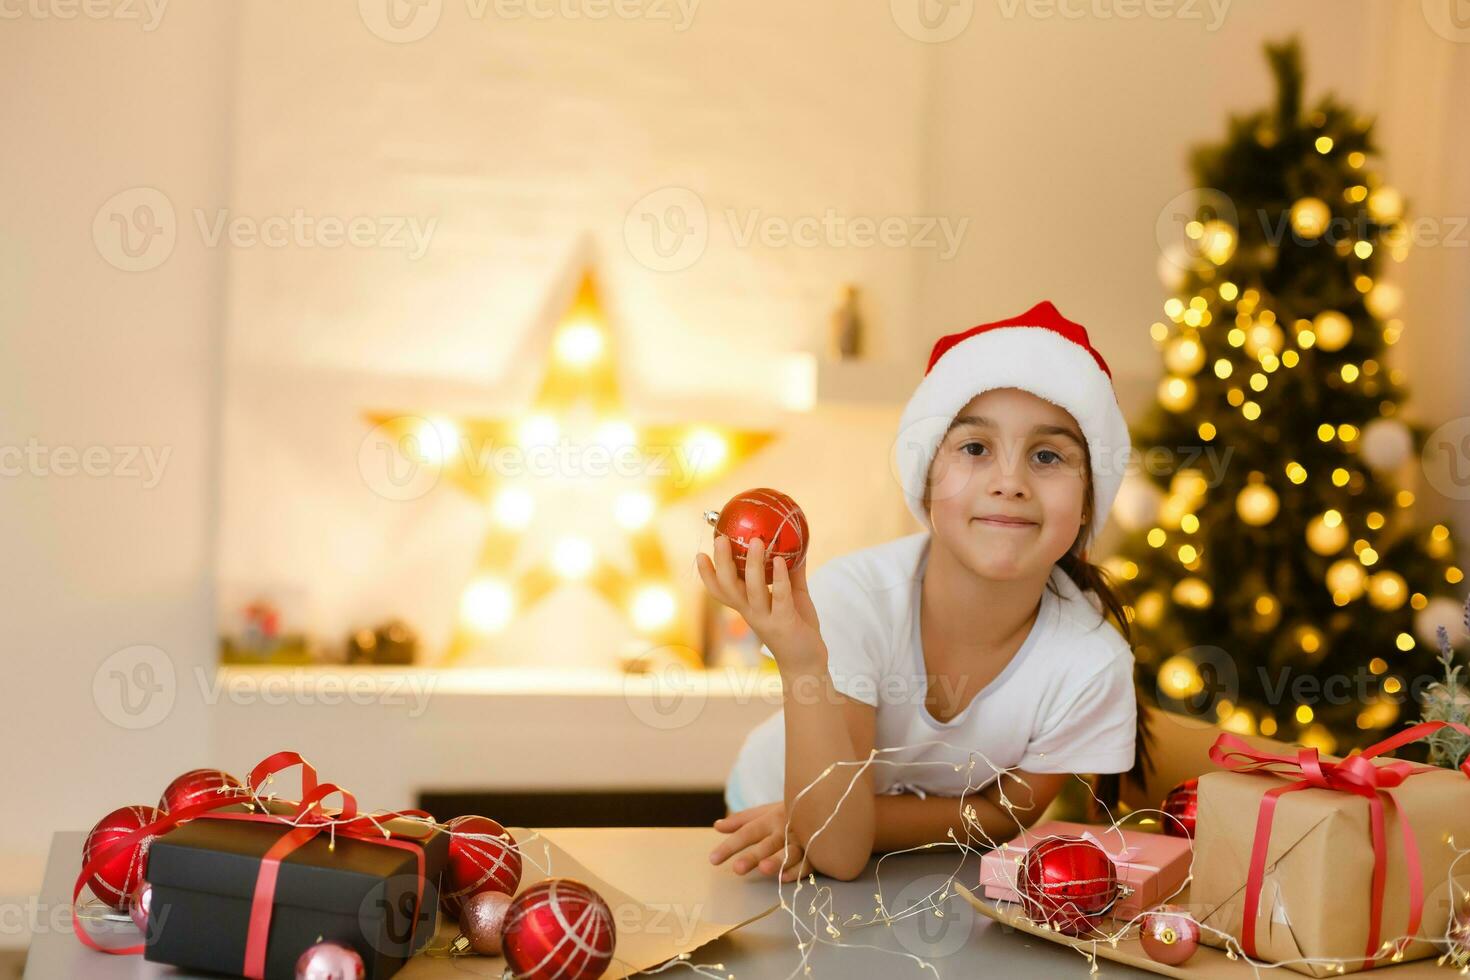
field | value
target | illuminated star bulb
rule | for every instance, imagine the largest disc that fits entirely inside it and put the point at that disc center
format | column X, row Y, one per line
column 633, row 510
column 487, row 605
column 1384, row 300
column 1332, row 330
column 513, row 507
column 615, row 435
column 572, row 557
column 437, row 439
column 653, row 607
column 538, row 430
column 706, row 450
column 579, row 343
column 1309, row 217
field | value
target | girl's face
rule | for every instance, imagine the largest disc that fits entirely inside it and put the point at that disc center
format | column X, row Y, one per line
column 1008, row 484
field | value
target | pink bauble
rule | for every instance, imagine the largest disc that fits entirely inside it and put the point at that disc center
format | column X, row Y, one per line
column 769, row 515
column 482, row 858
column 201, row 786
column 138, row 905
column 118, row 876
column 1169, row 935
column 558, row 929
column 483, row 921
column 1067, row 883
column 330, row 961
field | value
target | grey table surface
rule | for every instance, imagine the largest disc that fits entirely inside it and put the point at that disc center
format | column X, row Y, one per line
column 960, row 943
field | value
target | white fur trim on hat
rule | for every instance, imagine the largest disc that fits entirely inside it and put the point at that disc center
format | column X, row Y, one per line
column 1034, row 359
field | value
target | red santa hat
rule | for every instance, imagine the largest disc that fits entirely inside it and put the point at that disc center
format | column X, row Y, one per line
column 1039, row 351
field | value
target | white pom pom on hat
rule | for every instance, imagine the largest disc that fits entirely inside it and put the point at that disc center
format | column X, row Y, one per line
column 1041, row 352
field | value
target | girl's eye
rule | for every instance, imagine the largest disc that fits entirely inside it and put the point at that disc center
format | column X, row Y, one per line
column 973, row 448
column 1048, row 457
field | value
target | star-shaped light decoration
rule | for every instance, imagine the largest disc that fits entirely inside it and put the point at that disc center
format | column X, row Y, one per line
column 573, row 485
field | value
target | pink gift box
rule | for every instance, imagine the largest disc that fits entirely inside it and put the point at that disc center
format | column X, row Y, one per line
column 1154, row 866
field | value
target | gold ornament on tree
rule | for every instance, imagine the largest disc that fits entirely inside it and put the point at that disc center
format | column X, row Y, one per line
column 1309, row 217
column 1333, row 330
column 1326, row 533
column 1257, row 504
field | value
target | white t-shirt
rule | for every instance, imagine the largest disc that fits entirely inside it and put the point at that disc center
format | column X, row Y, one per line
column 1064, row 703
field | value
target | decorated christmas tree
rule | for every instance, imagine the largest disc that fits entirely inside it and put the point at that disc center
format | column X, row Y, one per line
column 1279, row 582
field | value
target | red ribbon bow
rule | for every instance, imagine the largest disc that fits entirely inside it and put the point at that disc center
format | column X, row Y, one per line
column 308, row 820
column 1356, row 774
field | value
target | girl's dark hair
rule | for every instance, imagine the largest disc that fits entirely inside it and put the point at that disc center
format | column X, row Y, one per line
column 1095, row 579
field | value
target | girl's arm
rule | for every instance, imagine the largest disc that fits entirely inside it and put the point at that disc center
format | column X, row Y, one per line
column 823, row 726
column 906, row 821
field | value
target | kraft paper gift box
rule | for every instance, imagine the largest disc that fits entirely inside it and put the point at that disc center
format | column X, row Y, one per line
column 1316, row 879
column 1151, row 866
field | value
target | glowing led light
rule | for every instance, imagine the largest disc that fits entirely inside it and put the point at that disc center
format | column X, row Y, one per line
column 580, row 343
column 513, row 507
column 572, row 558
column 487, row 605
column 538, row 430
column 706, row 450
column 653, row 607
column 633, row 510
column 438, row 439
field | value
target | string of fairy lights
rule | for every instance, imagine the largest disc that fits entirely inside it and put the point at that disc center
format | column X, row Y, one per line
column 822, row 923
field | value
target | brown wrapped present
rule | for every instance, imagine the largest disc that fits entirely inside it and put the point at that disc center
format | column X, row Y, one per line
column 1329, row 866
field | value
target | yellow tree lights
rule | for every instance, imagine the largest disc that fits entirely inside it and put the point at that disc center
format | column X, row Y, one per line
column 1274, row 540
column 572, row 486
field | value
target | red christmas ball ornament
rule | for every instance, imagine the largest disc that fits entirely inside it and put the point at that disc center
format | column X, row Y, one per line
column 558, row 929
column 1169, row 935
column 766, row 514
column 482, row 858
column 1180, row 808
column 1067, row 883
column 118, row 876
column 200, row 786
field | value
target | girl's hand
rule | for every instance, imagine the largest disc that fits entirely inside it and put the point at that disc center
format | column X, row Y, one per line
column 757, row 839
column 782, row 616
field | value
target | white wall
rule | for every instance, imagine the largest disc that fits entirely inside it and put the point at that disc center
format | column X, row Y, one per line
column 98, row 357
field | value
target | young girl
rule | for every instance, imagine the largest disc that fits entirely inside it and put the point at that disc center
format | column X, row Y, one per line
column 977, row 645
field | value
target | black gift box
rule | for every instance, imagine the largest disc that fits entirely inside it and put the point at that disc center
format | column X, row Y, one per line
column 357, row 892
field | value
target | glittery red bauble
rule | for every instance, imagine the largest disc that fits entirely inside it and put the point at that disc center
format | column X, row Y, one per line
column 482, row 858
column 769, row 515
column 200, row 786
column 117, row 877
column 1068, row 883
column 1169, row 935
column 558, row 929
column 1180, row 808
